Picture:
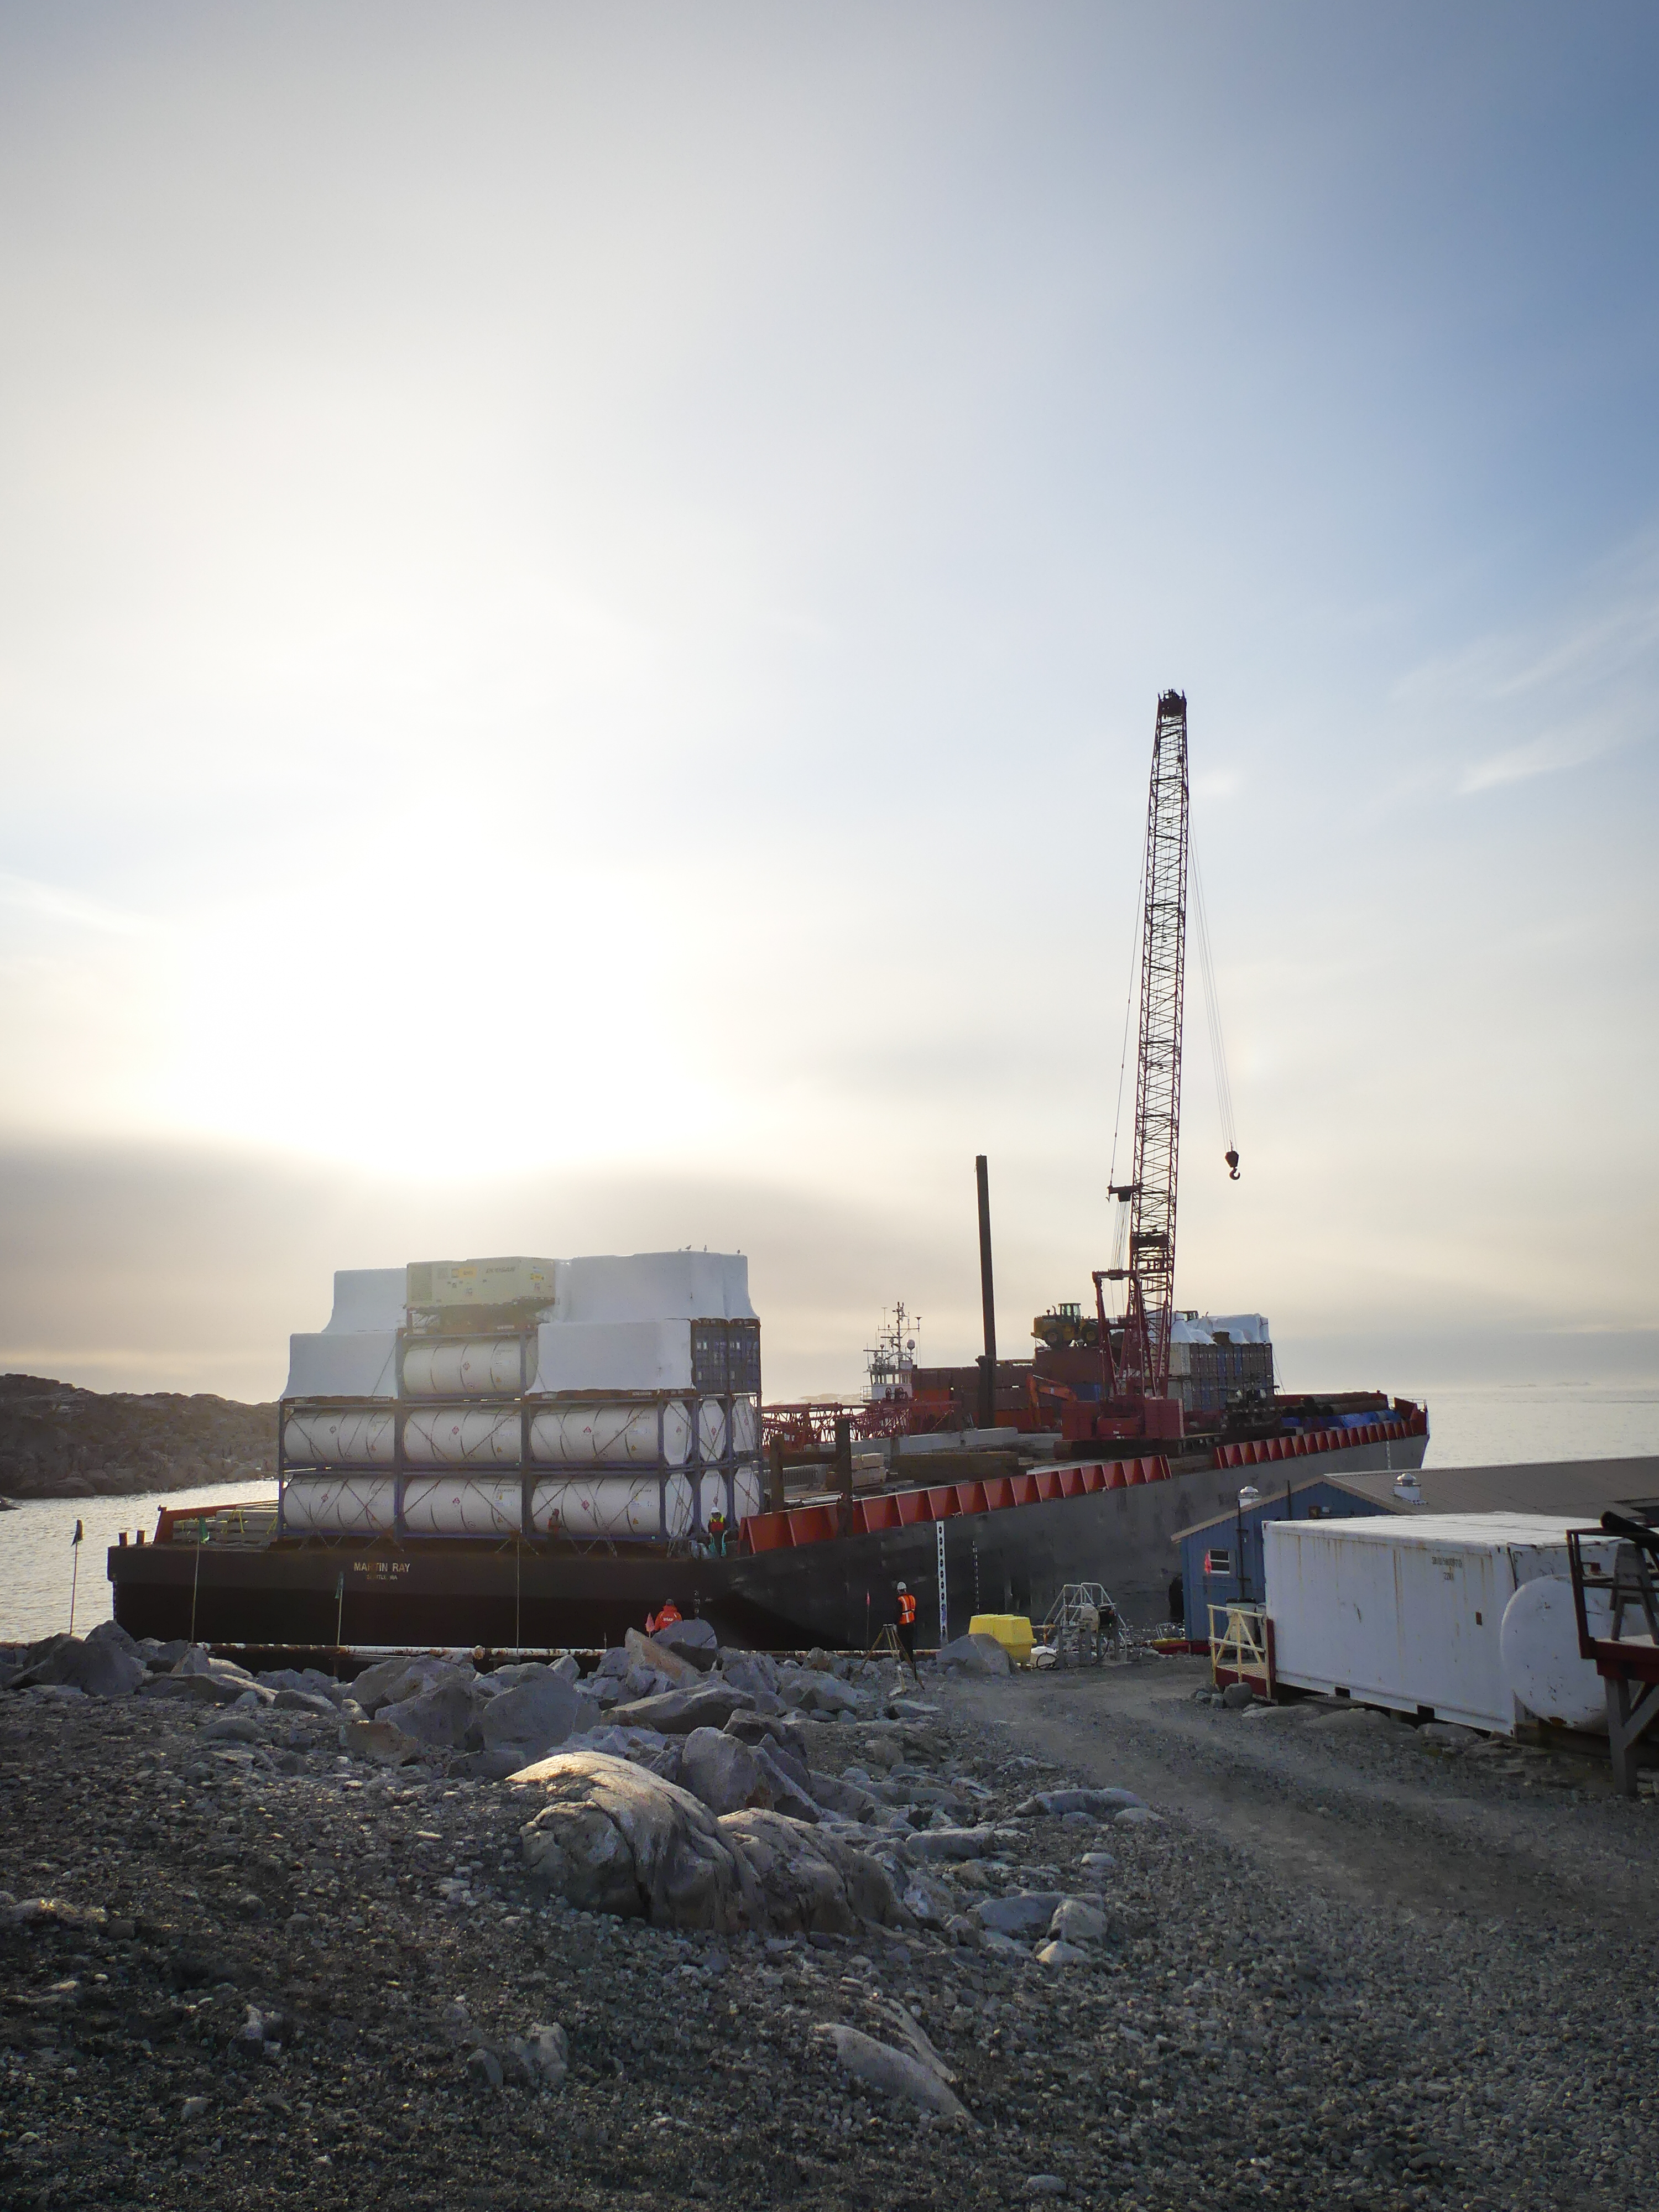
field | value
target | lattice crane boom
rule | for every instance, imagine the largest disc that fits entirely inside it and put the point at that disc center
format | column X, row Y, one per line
column 1143, row 1371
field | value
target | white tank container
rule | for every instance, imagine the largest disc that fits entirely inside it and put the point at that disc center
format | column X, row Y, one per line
column 1542, row 1663
column 482, row 1367
column 462, row 1436
column 748, row 1491
column 746, row 1428
column 616, row 1505
column 744, row 1497
column 582, row 1433
column 340, row 1505
column 312, row 1436
column 711, row 1429
column 462, row 1505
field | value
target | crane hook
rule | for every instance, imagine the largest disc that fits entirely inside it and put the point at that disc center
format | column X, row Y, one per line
column 1232, row 1166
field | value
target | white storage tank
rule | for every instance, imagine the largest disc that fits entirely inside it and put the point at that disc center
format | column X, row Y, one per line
column 462, row 1436
column 462, row 1505
column 711, row 1430
column 621, row 1433
column 318, row 1435
column 1408, row 1612
column 479, row 1367
column 585, row 1507
column 340, row 1505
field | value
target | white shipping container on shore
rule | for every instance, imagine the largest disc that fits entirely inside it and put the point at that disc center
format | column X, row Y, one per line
column 1406, row 1611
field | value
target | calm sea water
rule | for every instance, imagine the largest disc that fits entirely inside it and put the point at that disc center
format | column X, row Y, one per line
column 37, row 1555
column 1484, row 1425
column 1491, row 1424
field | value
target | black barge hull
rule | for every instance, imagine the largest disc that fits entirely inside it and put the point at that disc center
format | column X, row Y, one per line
column 326, row 1593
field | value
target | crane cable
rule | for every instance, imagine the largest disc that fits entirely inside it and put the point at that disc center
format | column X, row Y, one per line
column 1224, row 1090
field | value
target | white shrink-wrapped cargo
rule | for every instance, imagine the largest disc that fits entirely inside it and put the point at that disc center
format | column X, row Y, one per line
column 615, row 1506
column 711, row 1430
column 462, row 1436
column 340, row 1505
column 481, row 1367
column 462, row 1505
column 584, row 1433
column 320, row 1436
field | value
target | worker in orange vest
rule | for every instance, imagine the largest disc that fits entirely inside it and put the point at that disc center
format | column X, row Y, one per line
column 666, row 1619
column 907, row 1627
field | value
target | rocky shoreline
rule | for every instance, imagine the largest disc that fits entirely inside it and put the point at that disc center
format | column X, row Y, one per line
column 272, row 1942
column 59, row 1441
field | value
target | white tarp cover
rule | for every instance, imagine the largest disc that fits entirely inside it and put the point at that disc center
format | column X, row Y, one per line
column 643, row 1355
column 341, row 1366
column 366, row 1299
column 1241, row 1328
column 653, row 1286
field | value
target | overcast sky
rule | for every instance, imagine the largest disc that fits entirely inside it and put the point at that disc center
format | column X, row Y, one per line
column 582, row 596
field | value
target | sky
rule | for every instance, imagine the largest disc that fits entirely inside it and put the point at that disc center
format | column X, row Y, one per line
column 583, row 592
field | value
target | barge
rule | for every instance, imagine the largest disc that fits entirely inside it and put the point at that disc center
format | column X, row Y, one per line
column 537, row 1455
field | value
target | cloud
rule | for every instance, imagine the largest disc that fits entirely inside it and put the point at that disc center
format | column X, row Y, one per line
column 46, row 902
column 1582, row 684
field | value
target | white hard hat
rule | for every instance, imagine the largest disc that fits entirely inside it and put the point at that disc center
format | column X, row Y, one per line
column 901, row 1585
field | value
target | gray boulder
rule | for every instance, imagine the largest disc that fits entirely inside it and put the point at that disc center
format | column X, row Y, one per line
column 930, row 1901
column 788, row 1794
column 379, row 1741
column 537, row 1712
column 304, row 1701
column 308, row 1681
column 695, row 1640
column 958, row 1844
column 727, row 1775
column 1052, row 1801
column 751, row 1670
column 1057, row 1954
column 1027, row 1913
column 233, row 1727
column 612, row 1667
column 612, row 1839
column 437, row 1720
column 198, row 1678
column 811, row 1692
column 542, row 2058
column 395, row 1680
column 1236, row 1695
column 974, row 1654
column 650, row 1651
column 894, row 2073
column 112, row 1632
column 100, row 1667
column 836, row 1795
column 676, row 1712
column 1077, row 1921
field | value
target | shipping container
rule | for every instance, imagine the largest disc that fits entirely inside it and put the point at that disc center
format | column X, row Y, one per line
column 1406, row 1613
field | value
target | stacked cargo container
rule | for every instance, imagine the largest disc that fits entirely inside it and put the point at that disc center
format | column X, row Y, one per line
column 569, row 1400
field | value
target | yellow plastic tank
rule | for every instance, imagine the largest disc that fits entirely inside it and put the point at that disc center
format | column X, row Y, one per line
column 1013, row 1630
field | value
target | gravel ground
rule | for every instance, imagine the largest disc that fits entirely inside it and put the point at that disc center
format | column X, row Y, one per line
column 1343, row 1968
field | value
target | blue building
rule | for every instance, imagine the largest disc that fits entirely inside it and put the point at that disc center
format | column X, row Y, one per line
column 1221, row 1561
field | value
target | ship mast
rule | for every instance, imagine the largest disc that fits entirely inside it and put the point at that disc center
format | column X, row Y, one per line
column 1143, row 1371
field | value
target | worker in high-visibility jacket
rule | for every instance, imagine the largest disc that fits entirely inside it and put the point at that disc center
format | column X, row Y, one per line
column 906, row 1626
